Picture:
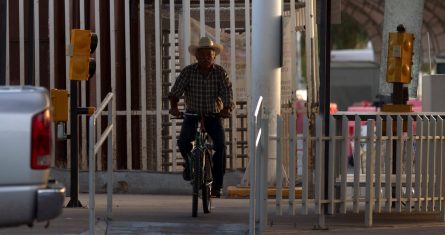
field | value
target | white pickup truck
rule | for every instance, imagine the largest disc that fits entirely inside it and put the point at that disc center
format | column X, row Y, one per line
column 26, row 195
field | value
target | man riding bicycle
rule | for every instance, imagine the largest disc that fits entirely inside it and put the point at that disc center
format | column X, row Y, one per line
column 207, row 90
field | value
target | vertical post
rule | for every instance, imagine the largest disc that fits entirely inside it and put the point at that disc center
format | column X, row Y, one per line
column 344, row 164
column 3, row 52
column 248, row 77
column 419, row 159
column 306, row 144
column 439, row 162
column 320, row 174
column 74, row 201
column 442, row 172
column 369, row 173
column 29, row 63
column 186, row 30
column 144, row 160
column 110, row 156
column 332, row 143
column 425, row 171
column 409, row 165
column 7, row 69
column 325, row 63
column 22, row 41
column 91, row 175
column 266, row 70
column 234, row 81
column 128, row 86
column 97, row 13
column 83, row 97
column 173, row 76
column 319, row 179
column 202, row 19
column 292, row 154
column 398, row 157
column 432, row 166
column 252, row 177
column 388, row 163
column 357, row 162
column 158, row 86
column 113, row 70
column 259, row 164
column 36, row 44
column 67, row 81
column 218, row 27
column 51, row 26
column 378, row 163
column 264, row 167
column 279, row 167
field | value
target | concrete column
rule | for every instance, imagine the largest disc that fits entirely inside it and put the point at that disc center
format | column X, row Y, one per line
column 410, row 14
column 266, row 67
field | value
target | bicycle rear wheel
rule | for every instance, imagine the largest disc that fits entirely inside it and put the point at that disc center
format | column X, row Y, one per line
column 207, row 182
column 196, row 182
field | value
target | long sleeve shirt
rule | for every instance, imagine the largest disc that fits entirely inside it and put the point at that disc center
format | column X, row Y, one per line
column 203, row 94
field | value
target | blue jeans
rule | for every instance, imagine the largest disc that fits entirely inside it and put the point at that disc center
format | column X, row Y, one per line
column 215, row 129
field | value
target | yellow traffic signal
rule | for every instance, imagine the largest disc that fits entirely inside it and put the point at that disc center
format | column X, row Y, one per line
column 400, row 51
column 59, row 103
column 407, row 57
column 83, row 43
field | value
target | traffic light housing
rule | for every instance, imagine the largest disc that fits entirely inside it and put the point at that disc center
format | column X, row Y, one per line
column 83, row 44
column 59, row 103
column 400, row 53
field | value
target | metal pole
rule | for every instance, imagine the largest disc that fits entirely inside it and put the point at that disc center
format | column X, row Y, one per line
column 252, row 175
column 266, row 70
column 3, row 42
column 325, row 62
column 110, row 156
column 91, row 175
column 30, row 58
column 265, row 140
column 74, row 202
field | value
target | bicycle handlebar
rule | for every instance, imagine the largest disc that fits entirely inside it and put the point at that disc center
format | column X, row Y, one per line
column 183, row 114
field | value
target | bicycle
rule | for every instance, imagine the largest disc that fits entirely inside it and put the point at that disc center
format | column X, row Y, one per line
column 200, row 163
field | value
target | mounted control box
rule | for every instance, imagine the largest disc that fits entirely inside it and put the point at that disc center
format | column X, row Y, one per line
column 433, row 96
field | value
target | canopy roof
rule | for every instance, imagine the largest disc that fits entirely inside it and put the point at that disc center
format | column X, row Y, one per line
column 370, row 14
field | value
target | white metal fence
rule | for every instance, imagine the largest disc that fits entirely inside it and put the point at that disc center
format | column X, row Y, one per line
column 398, row 166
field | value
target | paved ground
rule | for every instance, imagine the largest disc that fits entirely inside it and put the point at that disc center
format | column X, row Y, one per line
column 167, row 214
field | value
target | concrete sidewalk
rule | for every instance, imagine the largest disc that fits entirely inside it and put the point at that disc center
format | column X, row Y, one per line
column 171, row 214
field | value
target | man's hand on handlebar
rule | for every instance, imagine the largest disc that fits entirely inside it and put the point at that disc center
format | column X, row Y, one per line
column 224, row 113
column 175, row 112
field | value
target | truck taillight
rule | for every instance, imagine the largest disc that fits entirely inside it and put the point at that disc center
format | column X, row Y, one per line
column 41, row 141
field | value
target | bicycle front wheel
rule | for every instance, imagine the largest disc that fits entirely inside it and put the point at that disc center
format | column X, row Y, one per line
column 196, row 182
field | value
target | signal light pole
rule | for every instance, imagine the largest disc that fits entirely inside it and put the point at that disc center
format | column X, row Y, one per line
column 82, row 67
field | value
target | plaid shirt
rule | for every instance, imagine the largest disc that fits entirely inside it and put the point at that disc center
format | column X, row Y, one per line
column 202, row 94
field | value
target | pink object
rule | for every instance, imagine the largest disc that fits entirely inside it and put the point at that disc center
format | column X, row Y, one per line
column 300, row 110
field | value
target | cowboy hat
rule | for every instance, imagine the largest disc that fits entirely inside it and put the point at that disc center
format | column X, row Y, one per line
column 206, row 42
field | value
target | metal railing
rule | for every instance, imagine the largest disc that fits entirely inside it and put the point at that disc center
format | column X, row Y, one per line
column 399, row 166
column 258, row 201
column 93, row 148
